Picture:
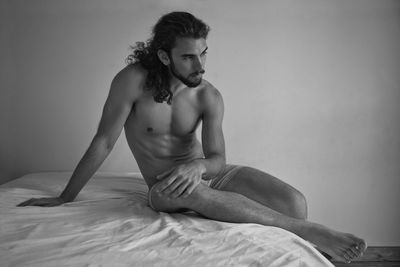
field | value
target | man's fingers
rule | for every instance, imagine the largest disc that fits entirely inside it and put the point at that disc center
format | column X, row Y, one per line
column 165, row 174
column 189, row 190
column 41, row 202
column 23, row 204
column 166, row 183
column 180, row 189
column 36, row 202
column 27, row 202
column 172, row 186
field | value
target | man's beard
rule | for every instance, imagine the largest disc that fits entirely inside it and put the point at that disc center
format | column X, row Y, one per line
column 189, row 83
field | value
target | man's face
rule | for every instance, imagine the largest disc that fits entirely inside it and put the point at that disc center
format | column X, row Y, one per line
column 187, row 60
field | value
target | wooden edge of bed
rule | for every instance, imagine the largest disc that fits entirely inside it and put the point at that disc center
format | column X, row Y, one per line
column 376, row 257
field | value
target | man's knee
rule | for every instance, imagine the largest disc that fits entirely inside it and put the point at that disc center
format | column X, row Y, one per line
column 299, row 204
column 163, row 203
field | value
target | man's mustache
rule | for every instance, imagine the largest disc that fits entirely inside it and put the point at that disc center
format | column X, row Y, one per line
column 198, row 72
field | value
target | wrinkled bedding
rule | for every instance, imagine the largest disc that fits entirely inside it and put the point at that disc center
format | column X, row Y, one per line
column 111, row 224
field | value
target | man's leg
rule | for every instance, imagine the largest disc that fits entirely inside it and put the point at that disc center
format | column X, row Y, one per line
column 268, row 191
column 234, row 207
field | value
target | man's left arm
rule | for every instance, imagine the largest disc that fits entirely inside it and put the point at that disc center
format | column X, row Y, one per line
column 212, row 134
column 182, row 180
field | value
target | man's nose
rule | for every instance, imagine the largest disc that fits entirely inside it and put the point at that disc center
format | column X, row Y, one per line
column 198, row 65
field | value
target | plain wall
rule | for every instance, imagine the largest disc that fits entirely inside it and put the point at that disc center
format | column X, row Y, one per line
column 7, row 169
column 311, row 91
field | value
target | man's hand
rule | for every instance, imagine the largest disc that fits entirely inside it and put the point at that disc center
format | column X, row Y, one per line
column 43, row 202
column 181, row 180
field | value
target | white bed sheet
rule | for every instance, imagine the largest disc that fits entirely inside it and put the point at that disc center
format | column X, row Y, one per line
column 111, row 224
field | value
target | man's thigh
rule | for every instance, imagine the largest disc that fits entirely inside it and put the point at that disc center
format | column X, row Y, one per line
column 162, row 203
column 267, row 190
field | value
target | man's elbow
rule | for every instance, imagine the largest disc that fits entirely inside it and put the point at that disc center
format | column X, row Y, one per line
column 221, row 161
column 104, row 142
column 220, row 157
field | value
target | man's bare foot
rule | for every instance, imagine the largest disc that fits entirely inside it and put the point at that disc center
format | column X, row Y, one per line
column 341, row 246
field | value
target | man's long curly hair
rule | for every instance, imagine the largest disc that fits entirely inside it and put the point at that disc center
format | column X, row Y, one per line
column 164, row 34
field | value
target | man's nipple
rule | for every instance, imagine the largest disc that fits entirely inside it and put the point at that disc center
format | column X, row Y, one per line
column 149, row 129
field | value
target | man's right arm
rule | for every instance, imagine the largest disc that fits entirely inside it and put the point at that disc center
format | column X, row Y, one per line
column 123, row 93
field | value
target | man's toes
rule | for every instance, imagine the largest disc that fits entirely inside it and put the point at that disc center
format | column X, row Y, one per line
column 359, row 248
column 362, row 246
column 346, row 257
column 356, row 252
column 341, row 256
column 352, row 253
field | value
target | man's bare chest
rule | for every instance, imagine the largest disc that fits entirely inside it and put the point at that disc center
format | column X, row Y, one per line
column 149, row 117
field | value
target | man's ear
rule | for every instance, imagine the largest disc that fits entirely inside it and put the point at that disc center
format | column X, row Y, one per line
column 163, row 56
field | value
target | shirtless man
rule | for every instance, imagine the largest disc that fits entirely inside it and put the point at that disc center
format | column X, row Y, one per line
column 160, row 99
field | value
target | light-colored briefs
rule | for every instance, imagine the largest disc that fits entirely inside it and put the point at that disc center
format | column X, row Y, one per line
column 221, row 180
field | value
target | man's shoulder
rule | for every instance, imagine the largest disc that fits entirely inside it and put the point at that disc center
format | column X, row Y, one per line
column 133, row 72
column 209, row 96
column 208, row 92
column 130, row 79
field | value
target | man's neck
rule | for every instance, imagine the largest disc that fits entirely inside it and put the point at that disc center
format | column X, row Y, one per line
column 175, row 84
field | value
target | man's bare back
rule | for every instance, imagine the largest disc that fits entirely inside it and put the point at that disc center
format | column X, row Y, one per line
column 162, row 136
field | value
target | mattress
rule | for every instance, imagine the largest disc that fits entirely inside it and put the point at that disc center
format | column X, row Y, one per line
column 111, row 224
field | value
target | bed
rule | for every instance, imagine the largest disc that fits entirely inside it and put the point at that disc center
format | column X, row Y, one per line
column 111, row 224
